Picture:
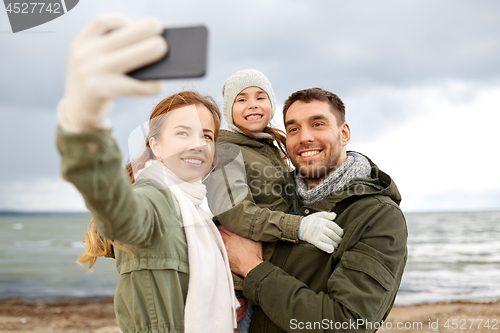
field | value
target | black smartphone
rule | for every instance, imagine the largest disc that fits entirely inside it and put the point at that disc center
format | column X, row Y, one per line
column 186, row 57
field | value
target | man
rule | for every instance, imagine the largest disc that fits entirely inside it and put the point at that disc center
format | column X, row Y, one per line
column 303, row 288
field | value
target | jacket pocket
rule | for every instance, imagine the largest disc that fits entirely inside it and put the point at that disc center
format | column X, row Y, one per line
column 363, row 284
column 364, row 262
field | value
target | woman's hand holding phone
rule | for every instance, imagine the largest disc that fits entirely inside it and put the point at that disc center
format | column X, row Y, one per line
column 100, row 57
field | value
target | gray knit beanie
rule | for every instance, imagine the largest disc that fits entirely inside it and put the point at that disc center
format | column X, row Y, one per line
column 240, row 81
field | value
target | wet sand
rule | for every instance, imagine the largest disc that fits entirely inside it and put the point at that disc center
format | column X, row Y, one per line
column 98, row 317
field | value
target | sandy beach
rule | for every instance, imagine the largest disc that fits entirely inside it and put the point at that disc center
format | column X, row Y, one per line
column 466, row 317
column 98, row 317
column 67, row 317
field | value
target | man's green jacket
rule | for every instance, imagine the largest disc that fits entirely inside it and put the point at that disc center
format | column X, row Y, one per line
column 303, row 289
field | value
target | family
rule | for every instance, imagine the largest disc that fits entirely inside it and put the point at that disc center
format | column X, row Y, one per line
column 315, row 246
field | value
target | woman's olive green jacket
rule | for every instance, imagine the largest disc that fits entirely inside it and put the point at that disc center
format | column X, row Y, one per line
column 153, row 283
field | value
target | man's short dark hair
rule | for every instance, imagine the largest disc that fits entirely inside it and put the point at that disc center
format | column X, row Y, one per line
column 308, row 95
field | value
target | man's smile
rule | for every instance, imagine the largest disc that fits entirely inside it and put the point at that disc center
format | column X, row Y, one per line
column 310, row 154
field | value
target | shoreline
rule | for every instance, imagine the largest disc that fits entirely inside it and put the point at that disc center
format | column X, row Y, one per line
column 82, row 315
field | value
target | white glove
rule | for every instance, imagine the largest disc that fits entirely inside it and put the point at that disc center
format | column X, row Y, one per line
column 319, row 230
column 99, row 57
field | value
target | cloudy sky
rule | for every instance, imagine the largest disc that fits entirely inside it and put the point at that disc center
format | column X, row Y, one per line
column 420, row 80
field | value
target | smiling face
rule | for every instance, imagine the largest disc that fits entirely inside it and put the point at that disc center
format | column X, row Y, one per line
column 314, row 141
column 252, row 109
column 185, row 144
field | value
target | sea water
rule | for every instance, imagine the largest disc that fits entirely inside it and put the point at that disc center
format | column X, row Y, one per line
column 451, row 257
column 38, row 254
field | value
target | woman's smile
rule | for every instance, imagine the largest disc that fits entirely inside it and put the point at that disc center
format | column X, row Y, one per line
column 193, row 161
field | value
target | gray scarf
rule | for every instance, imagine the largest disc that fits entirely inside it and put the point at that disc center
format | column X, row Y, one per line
column 355, row 166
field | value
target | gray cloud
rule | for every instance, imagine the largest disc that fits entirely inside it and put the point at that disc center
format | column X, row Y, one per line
column 341, row 46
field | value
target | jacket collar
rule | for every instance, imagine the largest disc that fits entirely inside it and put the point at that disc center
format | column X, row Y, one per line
column 242, row 139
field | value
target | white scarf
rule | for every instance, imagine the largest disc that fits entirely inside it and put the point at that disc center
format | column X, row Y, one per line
column 211, row 304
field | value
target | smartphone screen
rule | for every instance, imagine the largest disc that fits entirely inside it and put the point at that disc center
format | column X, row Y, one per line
column 186, row 57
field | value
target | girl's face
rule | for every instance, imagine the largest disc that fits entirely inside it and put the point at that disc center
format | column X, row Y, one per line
column 185, row 144
column 252, row 109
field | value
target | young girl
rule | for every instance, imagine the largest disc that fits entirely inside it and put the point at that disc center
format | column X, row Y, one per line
column 174, row 272
column 261, row 212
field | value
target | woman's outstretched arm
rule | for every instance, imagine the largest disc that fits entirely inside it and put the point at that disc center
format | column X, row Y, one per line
column 100, row 56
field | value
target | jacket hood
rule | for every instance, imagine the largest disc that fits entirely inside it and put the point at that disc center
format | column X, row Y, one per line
column 381, row 183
